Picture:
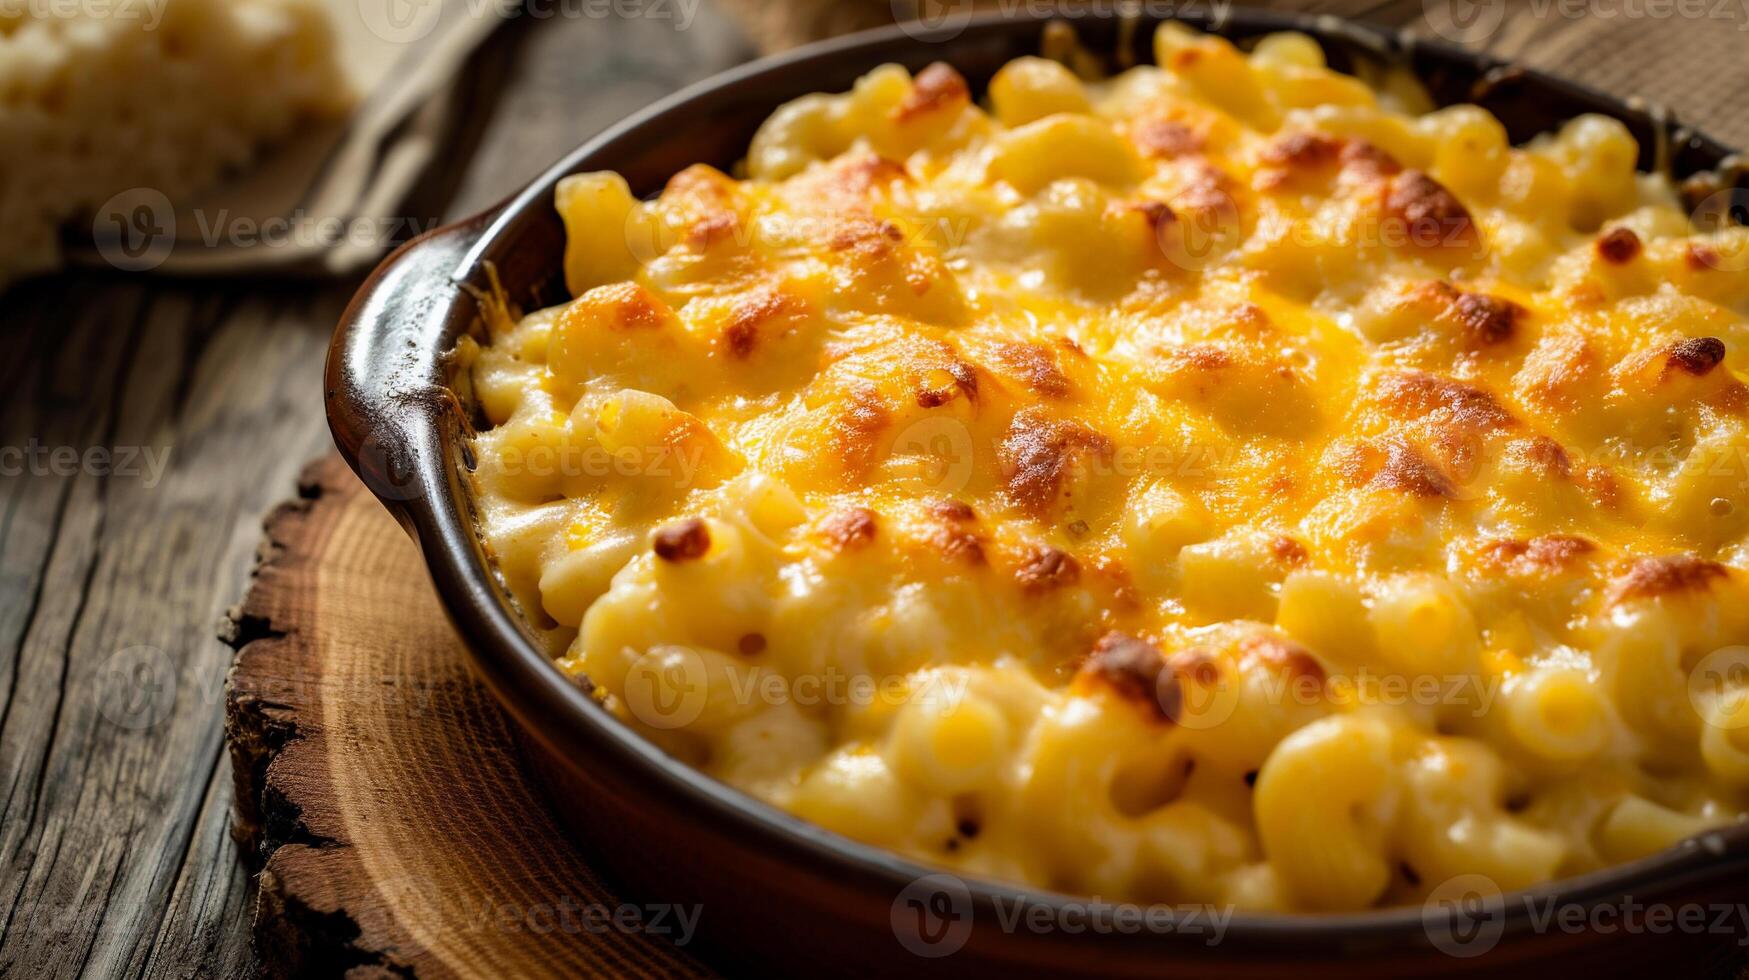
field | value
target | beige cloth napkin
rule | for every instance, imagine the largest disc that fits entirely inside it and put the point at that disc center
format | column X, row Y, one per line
column 325, row 201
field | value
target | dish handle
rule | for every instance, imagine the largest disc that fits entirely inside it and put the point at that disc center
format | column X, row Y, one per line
column 386, row 375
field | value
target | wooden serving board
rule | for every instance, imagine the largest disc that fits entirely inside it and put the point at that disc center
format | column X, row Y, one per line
column 380, row 785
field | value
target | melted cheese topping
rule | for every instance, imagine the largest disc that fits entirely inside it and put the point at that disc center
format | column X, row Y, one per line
column 1228, row 481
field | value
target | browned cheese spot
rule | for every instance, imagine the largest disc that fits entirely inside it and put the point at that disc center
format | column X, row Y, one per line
column 949, row 509
column 1417, row 395
column 1191, row 360
column 1692, row 357
column 1303, row 151
column 1700, row 258
column 854, row 432
column 1207, row 193
column 847, row 184
column 1285, row 659
column 1557, row 370
column 1542, row 454
column 701, row 185
column 1431, row 215
column 1404, row 468
column 1047, row 569
column 1036, row 367
column 1366, row 159
column 1697, row 355
column 686, row 540
column 1288, row 551
column 628, row 306
column 1543, row 555
column 741, row 333
column 1618, row 246
column 1039, row 454
column 952, row 533
column 1651, row 578
column 956, row 543
column 1135, row 671
column 937, row 88
column 1600, row 483
column 850, row 529
column 1482, row 320
column 1158, row 214
column 712, row 228
column 1487, row 319
column 866, row 235
column 956, row 378
column 1166, row 138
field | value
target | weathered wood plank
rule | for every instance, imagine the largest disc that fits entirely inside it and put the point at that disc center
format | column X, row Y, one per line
column 569, row 79
column 204, row 931
column 111, row 738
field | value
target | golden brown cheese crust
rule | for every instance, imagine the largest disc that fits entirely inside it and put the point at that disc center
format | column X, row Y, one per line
column 1271, row 475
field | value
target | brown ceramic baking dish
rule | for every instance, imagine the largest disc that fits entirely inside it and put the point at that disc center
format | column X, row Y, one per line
column 778, row 893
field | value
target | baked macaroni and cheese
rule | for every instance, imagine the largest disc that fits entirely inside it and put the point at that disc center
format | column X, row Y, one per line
column 1229, row 481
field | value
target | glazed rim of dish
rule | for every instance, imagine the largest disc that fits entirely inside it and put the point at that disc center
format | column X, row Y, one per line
column 405, row 432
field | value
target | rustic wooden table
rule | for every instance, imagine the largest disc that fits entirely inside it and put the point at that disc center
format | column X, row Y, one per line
column 147, row 425
column 115, row 790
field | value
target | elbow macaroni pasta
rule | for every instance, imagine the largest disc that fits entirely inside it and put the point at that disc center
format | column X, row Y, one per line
column 1222, row 482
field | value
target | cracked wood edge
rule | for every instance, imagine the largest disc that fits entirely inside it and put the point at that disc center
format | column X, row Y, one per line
column 273, row 729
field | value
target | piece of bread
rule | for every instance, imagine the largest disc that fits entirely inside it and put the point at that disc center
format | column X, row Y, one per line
column 161, row 94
